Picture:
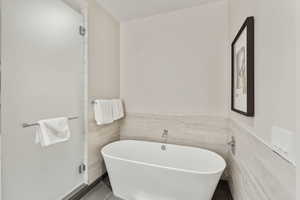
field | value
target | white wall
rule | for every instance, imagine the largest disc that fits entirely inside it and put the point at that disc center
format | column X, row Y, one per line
column 0, row 104
column 78, row 5
column 275, row 65
column 176, row 62
column 297, row 8
column 103, row 81
column 275, row 101
column 42, row 77
column 104, row 53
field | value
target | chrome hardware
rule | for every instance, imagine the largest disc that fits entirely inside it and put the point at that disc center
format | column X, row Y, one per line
column 232, row 145
column 165, row 137
column 25, row 125
column 165, row 133
column 81, row 168
column 82, row 30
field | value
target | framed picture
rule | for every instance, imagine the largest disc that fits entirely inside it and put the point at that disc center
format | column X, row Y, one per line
column 242, row 61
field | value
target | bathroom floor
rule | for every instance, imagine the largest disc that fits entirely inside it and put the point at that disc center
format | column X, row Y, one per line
column 103, row 192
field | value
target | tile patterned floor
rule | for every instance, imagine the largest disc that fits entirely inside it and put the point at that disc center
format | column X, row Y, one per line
column 103, row 192
column 100, row 192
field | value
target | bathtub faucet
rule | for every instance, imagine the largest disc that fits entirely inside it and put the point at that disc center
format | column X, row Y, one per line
column 165, row 137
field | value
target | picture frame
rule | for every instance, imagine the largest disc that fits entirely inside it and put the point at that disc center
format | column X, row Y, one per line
column 242, row 78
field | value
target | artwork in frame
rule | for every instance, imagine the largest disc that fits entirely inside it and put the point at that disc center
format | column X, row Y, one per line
column 242, row 88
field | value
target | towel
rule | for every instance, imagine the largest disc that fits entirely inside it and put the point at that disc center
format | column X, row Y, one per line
column 118, row 111
column 103, row 111
column 52, row 131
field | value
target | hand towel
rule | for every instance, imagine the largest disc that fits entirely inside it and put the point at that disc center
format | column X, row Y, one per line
column 103, row 110
column 52, row 131
column 118, row 111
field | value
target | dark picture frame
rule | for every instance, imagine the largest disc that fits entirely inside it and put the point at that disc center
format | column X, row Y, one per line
column 242, row 71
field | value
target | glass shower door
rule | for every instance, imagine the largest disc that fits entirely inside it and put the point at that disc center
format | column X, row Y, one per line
column 42, row 73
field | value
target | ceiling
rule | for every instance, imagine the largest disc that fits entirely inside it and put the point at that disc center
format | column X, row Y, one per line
column 125, row 10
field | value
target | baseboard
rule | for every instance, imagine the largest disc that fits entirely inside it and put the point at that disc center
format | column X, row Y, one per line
column 82, row 191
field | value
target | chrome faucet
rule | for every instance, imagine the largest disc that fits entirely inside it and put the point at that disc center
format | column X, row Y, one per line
column 165, row 139
column 165, row 134
column 232, row 145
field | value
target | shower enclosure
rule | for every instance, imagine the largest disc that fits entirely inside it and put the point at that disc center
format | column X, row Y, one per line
column 43, row 77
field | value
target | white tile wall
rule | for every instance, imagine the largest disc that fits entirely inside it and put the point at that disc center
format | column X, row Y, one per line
column 199, row 131
column 98, row 137
column 102, row 81
column 257, row 173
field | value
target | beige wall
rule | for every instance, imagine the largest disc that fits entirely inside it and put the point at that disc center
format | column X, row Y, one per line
column 275, row 65
column 104, row 53
column 176, row 62
column 257, row 172
column 103, row 80
column 169, row 65
column 174, row 75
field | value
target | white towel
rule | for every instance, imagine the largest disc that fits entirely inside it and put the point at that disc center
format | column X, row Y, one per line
column 52, row 131
column 103, row 111
column 118, row 111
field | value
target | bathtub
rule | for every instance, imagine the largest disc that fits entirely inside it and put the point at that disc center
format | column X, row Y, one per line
column 140, row 170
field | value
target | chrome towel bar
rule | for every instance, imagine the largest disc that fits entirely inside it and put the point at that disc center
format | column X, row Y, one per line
column 25, row 125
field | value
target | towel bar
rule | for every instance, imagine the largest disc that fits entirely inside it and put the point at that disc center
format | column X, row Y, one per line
column 25, row 125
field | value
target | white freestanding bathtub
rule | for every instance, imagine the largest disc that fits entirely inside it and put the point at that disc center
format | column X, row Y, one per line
column 141, row 170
